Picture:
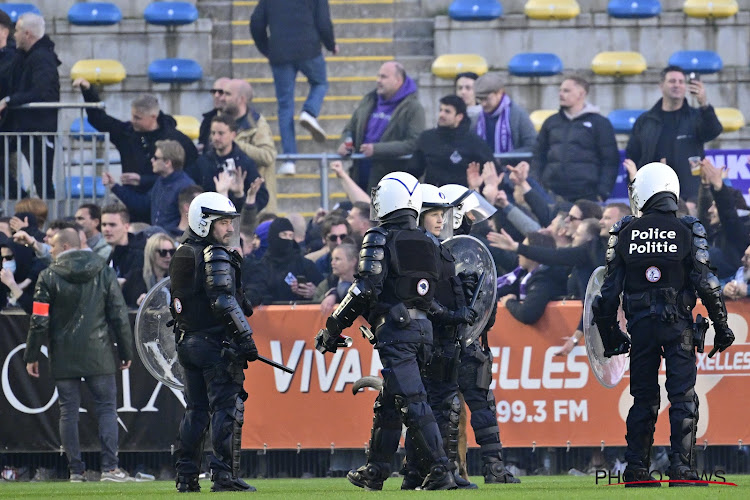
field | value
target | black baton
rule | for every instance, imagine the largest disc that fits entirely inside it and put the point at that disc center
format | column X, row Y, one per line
column 476, row 290
column 275, row 364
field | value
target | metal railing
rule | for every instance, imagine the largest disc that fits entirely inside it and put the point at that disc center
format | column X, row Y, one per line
column 78, row 158
column 324, row 158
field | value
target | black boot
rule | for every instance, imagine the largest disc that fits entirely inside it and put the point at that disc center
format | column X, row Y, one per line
column 636, row 477
column 462, row 483
column 412, row 479
column 494, row 472
column 187, row 483
column 439, row 478
column 685, row 475
column 370, row 476
column 223, row 481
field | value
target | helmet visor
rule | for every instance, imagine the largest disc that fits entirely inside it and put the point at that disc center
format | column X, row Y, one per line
column 474, row 206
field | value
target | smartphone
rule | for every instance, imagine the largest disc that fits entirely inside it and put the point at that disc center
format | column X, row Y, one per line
column 301, row 279
column 693, row 76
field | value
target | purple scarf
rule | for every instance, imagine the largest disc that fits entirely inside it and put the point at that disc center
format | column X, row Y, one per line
column 503, row 137
column 383, row 110
column 509, row 278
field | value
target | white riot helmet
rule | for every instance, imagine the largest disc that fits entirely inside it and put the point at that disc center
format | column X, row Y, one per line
column 467, row 202
column 395, row 191
column 206, row 208
column 649, row 180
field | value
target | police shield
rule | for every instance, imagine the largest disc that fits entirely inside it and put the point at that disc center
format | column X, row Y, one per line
column 472, row 256
column 608, row 371
column 154, row 340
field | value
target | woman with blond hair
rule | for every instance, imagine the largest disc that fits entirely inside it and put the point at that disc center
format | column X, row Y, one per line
column 157, row 255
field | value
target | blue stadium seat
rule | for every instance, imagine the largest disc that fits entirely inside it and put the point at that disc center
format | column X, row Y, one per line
column 76, row 185
column 535, row 64
column 174, row 71
column 85, row 133
column 700, row 61
column 623, row 119
column 634, row 9
column 170, row 13
column 16, row 9
column 475, row 10
column 94, row 14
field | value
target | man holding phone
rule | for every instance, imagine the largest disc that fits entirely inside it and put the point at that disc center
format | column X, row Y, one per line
column 673, row 131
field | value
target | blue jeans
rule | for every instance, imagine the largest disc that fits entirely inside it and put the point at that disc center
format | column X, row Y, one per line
column 104, row 390
column 284, row 76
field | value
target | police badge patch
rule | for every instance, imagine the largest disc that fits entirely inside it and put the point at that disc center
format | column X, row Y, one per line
column 177, row 305
column 423, row 286
column 653, row 274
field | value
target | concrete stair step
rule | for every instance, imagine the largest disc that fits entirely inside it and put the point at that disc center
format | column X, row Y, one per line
column 356, row 27
column 364, row 46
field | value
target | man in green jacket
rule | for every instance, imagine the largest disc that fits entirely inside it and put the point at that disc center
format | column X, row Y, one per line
column 384, row 126
column 76, row 302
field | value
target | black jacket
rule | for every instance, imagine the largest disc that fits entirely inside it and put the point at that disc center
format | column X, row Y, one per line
column 137, row 148
column 545, row 285
column 36, row 80
column 265, row 283
column 209, row 164
column 297, row 29
column 729, row 235
column 696, row 127
column 443, row 154
column 10, row 60
column 577, row 158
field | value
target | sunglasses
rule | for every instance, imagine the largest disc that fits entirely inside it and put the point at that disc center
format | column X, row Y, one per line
column 572, row 218
column 164, row 253
column 216, row 91
column 8, row 257
column 334, row 237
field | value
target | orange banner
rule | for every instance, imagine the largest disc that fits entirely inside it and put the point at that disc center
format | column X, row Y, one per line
column 541, row 399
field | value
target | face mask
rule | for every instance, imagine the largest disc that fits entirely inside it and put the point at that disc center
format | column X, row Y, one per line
column 10, row 265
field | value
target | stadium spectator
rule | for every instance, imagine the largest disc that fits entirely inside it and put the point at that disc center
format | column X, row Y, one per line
column 76, row 302
column 610, row 216
column 332, row 290
column 254, row 134
column 8, row 53
column 503, row 124
column 353, row 191
column 157, row 255
column 674, row 131
column 335, row 230
column 737, row 288
column 384, row 126
column 290, row 35
column 25, row 221
column 717, row 208
column 444, row 153
column 36, row 206
column 283, row 274
column 89, row 217
column 527, row 290
column 464, row 83
column 576, row 155
column 20, row 270
column 159, row 204
column 41, row 246
column 226, row 156
column 217, row 94
column 34, row 79
column 135, row 140
column 509, row 215
column 127, row 253
column 359, row 219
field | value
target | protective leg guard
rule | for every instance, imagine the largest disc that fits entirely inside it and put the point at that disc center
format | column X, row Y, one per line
column 223, row 481
column 370, row 476
column 451, row 409
column 637, row 477
column 683, row 420
column 187, row 483
column 439, row 478
column 494, row 472
column 385, row 433
column 641, row 423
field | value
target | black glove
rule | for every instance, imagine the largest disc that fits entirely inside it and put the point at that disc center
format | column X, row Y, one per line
column 614, row 340
column 247, row 347
column 469, row 281
column 723, row 339
column 328, row 338
column 462, row 316
column 247, row 307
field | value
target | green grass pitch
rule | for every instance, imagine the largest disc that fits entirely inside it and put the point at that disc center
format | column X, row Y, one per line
column 558, row 487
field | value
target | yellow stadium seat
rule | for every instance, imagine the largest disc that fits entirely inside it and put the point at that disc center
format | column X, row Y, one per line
column 618, row 63
column 710, row 8
column 731, row 119
column 552, row 9
column 538, row 117
column 100, row 71
column 188, row 125
column 449, row 65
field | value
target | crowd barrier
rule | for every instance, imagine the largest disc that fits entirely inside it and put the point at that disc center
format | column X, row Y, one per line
column 542, row 399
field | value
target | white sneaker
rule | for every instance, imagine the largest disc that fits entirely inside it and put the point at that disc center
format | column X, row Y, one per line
column 311, row 123
column 286, row 168
column 117, row 475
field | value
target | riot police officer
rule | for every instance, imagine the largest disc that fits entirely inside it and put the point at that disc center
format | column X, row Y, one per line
column 475, row 368
column 659, row 262
column 213, row 341
column 396, row 279
column 448, row 310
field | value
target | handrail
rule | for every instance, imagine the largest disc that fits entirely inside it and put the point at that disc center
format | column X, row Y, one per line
column 61, row 105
